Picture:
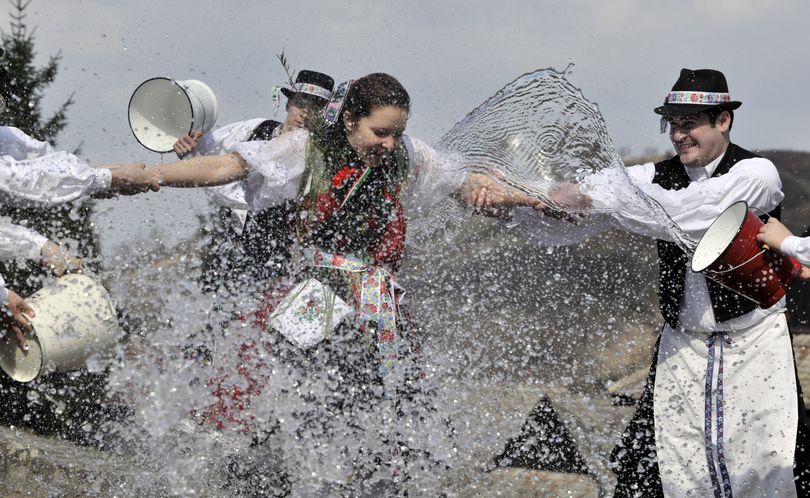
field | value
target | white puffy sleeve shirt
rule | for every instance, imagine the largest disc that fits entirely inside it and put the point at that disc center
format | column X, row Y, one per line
column 17, row 241
column 695, row 207
column 220, row 141
column 32, row 173
column 276, row 168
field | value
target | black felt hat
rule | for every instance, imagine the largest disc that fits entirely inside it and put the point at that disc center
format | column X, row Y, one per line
column 697, row 90
column 311, row 83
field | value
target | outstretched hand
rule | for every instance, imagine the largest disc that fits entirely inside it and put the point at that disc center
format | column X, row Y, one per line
column 13, row 319
column 135, row 178
column 486, row 193
column 59, row 261
column 804, row 273
column 569, row 196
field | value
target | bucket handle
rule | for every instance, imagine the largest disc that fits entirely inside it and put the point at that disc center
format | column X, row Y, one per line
column 766, row 247
column 755, row 256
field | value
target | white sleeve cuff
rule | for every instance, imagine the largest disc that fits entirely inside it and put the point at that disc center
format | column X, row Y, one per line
column 30, row 244
column 790, row 245
column 102, row 180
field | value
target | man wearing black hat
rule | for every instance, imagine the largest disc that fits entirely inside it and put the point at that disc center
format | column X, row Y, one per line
column 254, row 238
column 722, row 412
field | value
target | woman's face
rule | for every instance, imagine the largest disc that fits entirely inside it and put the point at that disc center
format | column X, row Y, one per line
column 374, row 135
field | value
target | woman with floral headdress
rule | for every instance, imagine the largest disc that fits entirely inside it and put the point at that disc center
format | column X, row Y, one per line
column 353, row 187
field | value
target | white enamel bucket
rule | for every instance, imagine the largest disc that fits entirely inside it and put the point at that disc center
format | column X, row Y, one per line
column 161, row 110
column 74, row 319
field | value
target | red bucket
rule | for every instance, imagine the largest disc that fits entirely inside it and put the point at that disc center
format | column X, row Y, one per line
column 729, row 254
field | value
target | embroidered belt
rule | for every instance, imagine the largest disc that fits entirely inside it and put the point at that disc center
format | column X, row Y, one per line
column 378, row 306
column 711, row 342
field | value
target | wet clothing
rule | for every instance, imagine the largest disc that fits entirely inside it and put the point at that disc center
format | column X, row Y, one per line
column 33, row 174
column 240, row 257
column 216, row 142
column 673, row 261
column 334, row 397
column 726, row 403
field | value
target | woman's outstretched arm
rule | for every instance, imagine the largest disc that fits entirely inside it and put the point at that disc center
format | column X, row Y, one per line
column 202, row 171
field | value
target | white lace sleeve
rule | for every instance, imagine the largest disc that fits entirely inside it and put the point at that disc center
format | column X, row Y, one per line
column 17, row 241
column 432, row 176
column 217, row 142
column 275, row 168
column 32, row 173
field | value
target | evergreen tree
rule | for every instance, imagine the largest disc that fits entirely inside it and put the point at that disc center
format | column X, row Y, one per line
column 68, row 224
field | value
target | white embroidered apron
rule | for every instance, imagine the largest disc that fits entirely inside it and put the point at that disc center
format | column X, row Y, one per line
column 726, row 412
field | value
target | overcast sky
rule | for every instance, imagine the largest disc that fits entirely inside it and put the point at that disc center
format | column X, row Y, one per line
column 450, row 55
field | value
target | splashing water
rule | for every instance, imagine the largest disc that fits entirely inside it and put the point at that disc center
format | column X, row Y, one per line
column 539, row 132
column 517, row 322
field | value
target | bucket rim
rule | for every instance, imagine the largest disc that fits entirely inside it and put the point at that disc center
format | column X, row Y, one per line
column 39, row 359
column 129, row 106
column 32, row 360
column 724, row 251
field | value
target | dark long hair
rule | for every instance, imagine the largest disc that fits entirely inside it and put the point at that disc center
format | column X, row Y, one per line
column 375, row 90
column 366, row 94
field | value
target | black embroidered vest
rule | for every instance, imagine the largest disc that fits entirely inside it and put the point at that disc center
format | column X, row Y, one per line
column 673, row 262
column 264, row 131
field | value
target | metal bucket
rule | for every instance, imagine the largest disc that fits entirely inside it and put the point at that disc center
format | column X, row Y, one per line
column 162, row 110
column 74, row 319
column 729, row 254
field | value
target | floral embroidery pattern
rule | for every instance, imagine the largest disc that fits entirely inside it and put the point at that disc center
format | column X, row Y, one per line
column 683, row 97
column 378, row 305
column 310, row 311
column 344, row 177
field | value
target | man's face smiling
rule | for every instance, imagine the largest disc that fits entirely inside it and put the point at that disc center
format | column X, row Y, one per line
column 697, row 140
